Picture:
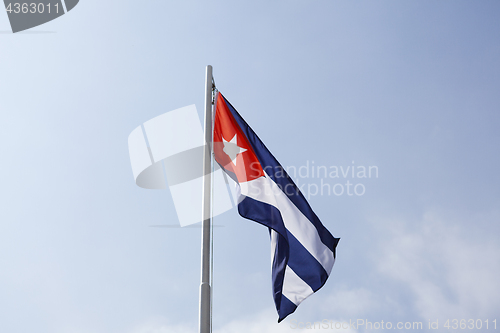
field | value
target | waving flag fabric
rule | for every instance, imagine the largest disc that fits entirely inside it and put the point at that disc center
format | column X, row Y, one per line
column 302, row 249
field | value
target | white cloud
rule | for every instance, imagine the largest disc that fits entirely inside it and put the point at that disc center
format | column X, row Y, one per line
column 161, row 325
column 424, row 269
column 263, row 322
column 349, row 303
column 450, row 271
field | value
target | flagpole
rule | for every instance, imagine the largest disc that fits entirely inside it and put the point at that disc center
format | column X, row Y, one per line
column 205, row 292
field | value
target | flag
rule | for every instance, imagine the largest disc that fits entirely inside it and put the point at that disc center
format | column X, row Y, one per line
column 302, row 249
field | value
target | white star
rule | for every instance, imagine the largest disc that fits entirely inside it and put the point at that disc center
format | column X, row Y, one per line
column 232, row 149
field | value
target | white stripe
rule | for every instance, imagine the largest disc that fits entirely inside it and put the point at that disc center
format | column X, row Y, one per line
column 294, row 288
column 274, row 242
column 265, row 190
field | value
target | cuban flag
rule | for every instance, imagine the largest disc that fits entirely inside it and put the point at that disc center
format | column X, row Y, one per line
column 302, row 249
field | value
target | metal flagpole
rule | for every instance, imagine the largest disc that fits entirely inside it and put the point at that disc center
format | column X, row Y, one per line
column 205, row 292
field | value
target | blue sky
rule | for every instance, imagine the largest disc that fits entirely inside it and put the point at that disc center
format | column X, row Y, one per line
column 408, row 86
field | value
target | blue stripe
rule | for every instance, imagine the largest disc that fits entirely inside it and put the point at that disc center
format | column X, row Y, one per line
column 305, row 265
column 262, row 213
column 286, row 307
column 269, row 216
column 289, row 251
column 278, row 174
column 298, row 258
column 278, row 268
